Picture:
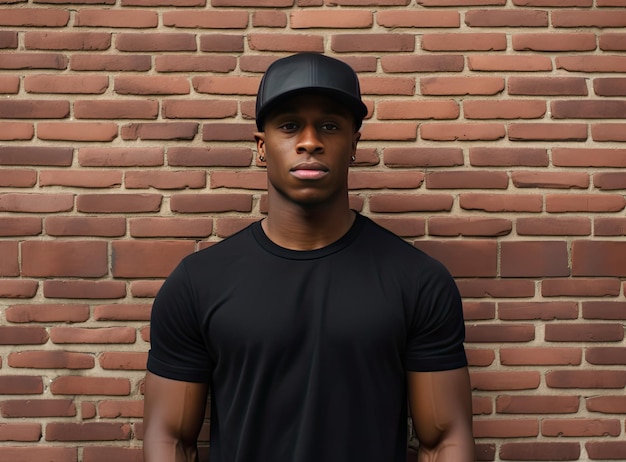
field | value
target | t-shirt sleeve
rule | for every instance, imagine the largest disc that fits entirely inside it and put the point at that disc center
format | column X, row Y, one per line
column 437, row 330
column 177, row 347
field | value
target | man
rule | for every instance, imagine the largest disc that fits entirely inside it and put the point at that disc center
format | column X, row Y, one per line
column 312, row 327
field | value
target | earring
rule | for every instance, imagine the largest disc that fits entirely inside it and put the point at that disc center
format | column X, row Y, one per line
column 262, row 158
column 353, row 158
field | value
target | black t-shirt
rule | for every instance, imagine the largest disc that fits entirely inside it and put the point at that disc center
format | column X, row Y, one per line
column 307, row 351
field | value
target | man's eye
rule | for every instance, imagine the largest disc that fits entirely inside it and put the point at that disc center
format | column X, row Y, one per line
column 330, row 126
column 288, row 126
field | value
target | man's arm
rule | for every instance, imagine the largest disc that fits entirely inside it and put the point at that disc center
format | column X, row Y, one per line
column 173, row 417
column 441, row 407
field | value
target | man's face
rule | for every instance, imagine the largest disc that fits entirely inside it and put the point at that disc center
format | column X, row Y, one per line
column 308, row 142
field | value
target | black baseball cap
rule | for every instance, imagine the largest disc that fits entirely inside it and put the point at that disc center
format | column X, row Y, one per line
column 309, row 73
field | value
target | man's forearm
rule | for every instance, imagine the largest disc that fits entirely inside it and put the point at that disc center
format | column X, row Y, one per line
column 460, row 450
column 169, row 452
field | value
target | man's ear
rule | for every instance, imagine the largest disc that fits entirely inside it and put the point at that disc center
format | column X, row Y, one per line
column 355, row 141
column 259, row 137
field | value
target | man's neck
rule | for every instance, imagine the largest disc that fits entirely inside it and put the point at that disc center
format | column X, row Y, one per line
column 304, row 228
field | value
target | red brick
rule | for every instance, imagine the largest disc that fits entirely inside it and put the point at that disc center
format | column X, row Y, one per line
column 602, row 379
column 588, row 157
column 210, row 203
column 608, row 132
column 387, row 86
column 69, row 258
column 20, row 385
column 251, row 3
column 110, row 63
column 331, row 19
column 206, row 19
column 244, row 179
column 554, row 42
column 610, row 356
column 233, row 85
column 120, row 408
column 39, row 452
column 80, row 179
column 36, row 202
column 422, row 63
column 506, row 18
column 18, row 288
column 580, row 287
column 85, row 226
column 193, row 63
column 463, row 258
column 429, row 3
column 160, row 131
column 462, row 131
column 536, row 451
column 209, row 157
column 394, row 203
column 460, row 179
column 230, row 225
column 23, row 335
column 505, row 109
column 610, row 86
column 37, row 408
column 501, row 202
column 505, row 380
column 167, row 3
column 171, row 227
column 464, row 42
column 34, row 17
column 557, row 226
column 185, row 109
column 384, row 180
column 122, row 312
column 591, row 63
column 20, row 226
column 479, row 311
column 505, row 428
column 612, row 450
column 606, row 404
column 389, row 42
column 50, row 360
column 540, row 356
column 600, row 19
column 584, row 333
column 471, row 226
column 422, row 157
column 99, row 431
column 108, row 453
column 111, row 18
column 610, row 226
column 609, row 181
column 77, row 131
column 439, row 86
column 84, row 289
column 123, row 360
column 505, row 157
column 502, row 288
column 496, row 333
column 120, row 157
column 187, row 179
column 153, row 42
column 547, row 86
column 18, row 178
column 13, row 131
column 398, row 110
column 598, row 258
column 33, row 109
column 480, row 358
column 559, row 203
column 364, row 2
column 75, row 41
column 286, row 42
column 514, row 311
column 222, row 43
column 547, row 132
column 118, row 203
column 509, row 63
column 554, row 3
column 405, row 227
column 8, row 39
column 598, row 109
column 77, row 385
column 147, row 259
column 417, row 18
column 30, row 61
column 534, row 404
column 104, row 335
column 47, row 313
column 559, row 180
column 70, row 84
column 604, row 310
column 9, row 265
column 534, row 259
column 111, row 109
column 612, row 42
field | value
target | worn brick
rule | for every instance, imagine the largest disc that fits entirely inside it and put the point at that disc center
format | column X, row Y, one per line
column 147, row 259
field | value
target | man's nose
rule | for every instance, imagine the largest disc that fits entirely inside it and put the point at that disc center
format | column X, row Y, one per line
column 309, row 140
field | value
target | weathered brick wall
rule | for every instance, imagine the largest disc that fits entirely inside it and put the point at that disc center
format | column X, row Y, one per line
column 496, row 142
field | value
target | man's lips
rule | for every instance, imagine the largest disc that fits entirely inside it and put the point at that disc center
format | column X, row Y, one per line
column 309, row 170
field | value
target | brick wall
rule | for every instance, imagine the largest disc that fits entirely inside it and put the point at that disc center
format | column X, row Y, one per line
column 495, row 142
